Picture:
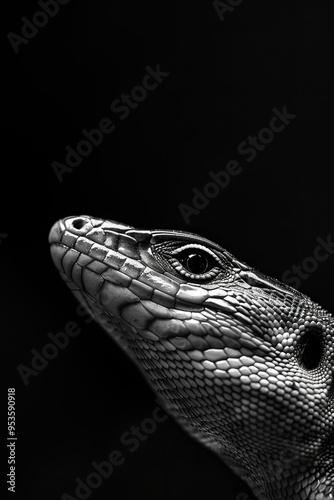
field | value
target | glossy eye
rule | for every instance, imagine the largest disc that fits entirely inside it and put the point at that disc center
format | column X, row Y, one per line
column 195, row 262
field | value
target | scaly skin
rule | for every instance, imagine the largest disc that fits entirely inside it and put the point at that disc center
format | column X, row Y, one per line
column 243, row 362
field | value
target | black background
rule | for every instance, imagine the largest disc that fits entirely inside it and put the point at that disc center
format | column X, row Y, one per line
column 225, row 77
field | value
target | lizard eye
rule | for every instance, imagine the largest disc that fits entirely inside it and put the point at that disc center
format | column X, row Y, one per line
column 195, row 262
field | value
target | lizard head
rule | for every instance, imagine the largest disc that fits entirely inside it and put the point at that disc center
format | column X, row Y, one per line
column 244, row 362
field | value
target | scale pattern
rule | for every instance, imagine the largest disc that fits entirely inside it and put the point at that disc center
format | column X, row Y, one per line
column 243, row 362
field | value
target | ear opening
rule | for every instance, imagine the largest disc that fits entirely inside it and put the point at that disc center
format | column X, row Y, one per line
column 310, row 349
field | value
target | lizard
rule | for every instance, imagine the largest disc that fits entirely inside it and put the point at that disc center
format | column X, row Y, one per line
column 243, row 362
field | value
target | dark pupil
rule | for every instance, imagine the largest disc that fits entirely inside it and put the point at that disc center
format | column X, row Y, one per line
column 196, row 263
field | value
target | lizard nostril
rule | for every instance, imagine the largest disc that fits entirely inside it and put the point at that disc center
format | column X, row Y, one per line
column 310, row 350
column 79, row 223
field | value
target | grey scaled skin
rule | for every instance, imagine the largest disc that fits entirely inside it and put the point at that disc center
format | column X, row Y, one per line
column 243, row 362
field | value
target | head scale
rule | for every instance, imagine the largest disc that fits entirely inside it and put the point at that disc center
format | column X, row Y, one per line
column 243, row 362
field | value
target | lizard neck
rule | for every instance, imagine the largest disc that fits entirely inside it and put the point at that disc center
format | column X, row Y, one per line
column 300, row 484
column 284, row 477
